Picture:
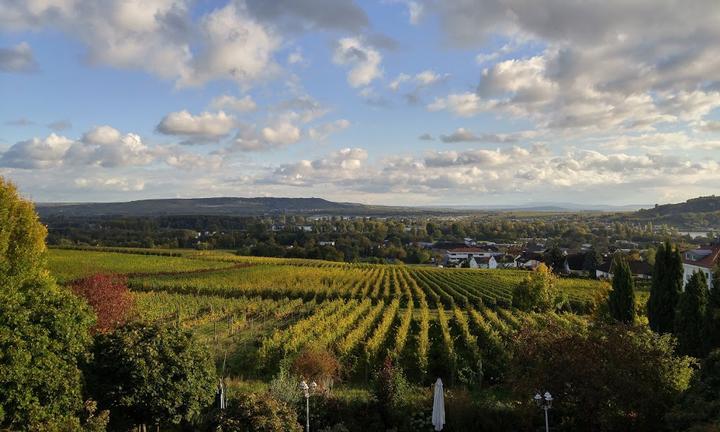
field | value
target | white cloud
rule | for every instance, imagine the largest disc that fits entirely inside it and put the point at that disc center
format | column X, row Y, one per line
column 243, row 104
column 462, row 104
column 102, row 146
column 323, row 131
column 364, row 61
column 338, row 166
column 18, row 59
column 158, row 36
column 606, row 65
column 464, row 135
column 121, row 184
column 281, row 134
column 36, row 153
column 204, row 126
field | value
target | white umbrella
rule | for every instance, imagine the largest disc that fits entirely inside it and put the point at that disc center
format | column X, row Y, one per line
column 438, row 415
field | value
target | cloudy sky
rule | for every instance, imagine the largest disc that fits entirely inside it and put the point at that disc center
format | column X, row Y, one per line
column 468, row 102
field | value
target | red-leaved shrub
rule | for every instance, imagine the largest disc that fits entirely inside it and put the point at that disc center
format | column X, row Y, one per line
column 108, row 296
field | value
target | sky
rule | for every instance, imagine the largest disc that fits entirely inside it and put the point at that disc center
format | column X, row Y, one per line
column 396, row 102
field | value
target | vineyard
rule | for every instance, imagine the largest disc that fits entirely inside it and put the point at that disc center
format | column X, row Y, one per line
column 256, row 313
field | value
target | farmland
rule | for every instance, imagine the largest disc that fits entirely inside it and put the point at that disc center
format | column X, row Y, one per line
column 256, row 313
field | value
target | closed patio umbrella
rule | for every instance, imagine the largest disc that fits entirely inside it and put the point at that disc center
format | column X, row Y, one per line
column 438, row 413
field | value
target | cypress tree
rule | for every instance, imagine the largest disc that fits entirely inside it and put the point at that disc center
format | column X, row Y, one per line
column 621, row 301
column 666, row 287
column 691, row 316
column 712, row 322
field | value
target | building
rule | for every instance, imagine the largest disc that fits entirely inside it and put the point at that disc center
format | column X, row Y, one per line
column 482, row 262
column 465, row 253
column 703, row 259
column 639, row 270
column 529, row 260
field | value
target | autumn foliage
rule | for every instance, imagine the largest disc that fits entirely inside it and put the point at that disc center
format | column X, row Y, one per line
column 108, row 296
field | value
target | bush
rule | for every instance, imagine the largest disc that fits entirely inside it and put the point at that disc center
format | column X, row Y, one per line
column 258, row 412
column 317, row 364
column 151, row 375
column 612, row 377
column 109, row 298
column 538, row 291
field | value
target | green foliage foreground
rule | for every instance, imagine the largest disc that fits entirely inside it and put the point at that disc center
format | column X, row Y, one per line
column 43, row 328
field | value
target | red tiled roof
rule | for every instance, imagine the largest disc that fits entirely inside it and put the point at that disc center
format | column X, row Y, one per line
column 708, row 261
column 467, row 250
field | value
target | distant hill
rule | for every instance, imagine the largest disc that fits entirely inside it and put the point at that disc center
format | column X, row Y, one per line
column 217, row 207
column 696, row 213
column 705, row 204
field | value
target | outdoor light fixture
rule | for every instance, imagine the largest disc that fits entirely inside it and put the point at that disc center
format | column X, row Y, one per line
column 307, row 390
column 544, row 402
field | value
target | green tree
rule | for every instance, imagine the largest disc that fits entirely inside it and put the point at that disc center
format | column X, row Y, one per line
column 555, row 259
column 613, row 377
column 537, row 292
column 691, row 316
column 712, row 317
column 151, row 375
column 666, row 287
column 591, row 262
column 253, row 412
column 44, row 329
column 699, row 407
column 621, row 300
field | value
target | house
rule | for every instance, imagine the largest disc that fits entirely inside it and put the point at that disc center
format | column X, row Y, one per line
column 473, row 262
column 639, row 270
column 575, row 264
column 326, row 243
column 529, row 260
column 464, row 253
column 703, row 259
column 506, row 261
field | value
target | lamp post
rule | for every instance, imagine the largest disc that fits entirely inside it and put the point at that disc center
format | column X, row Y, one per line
column 544, row 402
column 307, row 391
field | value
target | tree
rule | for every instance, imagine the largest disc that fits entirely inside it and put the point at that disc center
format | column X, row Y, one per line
column 613, row 377
column 712, row 317
column 109, row 298
column 699, row 407
column 151, row 375
column 621, row 300
column 253, row 412
column 43, row 327
column 555, row 259
column 665, row 289
column 537, row 292
column 591, row 262
column 691, row 316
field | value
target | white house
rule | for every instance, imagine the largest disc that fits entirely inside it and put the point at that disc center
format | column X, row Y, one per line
column 464, row 253
column 482, row 262
column 704, row 259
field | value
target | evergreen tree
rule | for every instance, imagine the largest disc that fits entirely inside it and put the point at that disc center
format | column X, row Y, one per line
column 691, row 316
column 621, row 301
column 666, row 287
column 591, row 262
column 712, row 322
column 43, row 328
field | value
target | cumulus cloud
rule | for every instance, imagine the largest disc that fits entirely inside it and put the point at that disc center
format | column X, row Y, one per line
column 336, row 167
column 18, row 59
column 364, row 61
column 281, row 134
column 243, row 104
column 312, row 14
column 603, row 66
column 36, row 153
column 464, row 135
column 205, row 126
column 426, row 137
column 103, row 146
column 157, row 36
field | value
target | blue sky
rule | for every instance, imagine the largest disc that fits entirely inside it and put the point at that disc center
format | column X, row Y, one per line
column 466, row 102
